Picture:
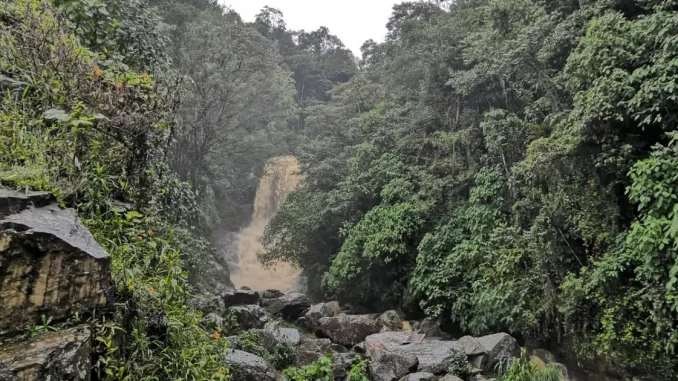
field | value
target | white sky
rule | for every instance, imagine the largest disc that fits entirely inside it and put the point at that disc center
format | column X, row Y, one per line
column 353, row 21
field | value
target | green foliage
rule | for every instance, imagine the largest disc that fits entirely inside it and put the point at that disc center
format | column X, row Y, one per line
column 509, row 165
column 522, row 369
column 96, row 134
column 42, row 327
column 321, row 370
column 459, row 365
column 358, row 370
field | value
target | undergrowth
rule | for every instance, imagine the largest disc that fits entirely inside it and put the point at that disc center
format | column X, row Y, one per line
column 94, row 132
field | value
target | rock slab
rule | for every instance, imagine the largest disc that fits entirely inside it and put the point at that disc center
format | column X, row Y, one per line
column 248, row 367
column 291, row 306
column 348, row 330
column 63, row 355
column 50, row 265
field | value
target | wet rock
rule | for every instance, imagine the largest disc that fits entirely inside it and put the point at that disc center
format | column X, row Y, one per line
column 498, row 347
column 239, row 297
column 209, row 304
column 387, row 365
column 250, row 316
column 7, row 83
column 422, row 376
column 319, row 311
column 290, row 306
column 248, row 367
column 390, row 320
column 271, row 294
column 430, row 327
column 348, row 330
column 49, row 265
column 472, row 347
column 433, row 356
column 311, row 350
column 290, row 336
column 12, row 202
column 63, row 355
column 341, row 365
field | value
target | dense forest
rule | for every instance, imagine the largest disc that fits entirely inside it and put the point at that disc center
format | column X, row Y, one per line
column 504, row 165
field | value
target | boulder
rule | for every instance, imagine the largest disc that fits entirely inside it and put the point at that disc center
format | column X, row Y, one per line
column 387, row 365
column 472, row 347
column 430, row 327
column 341, row 365
column 390, row 320
column 290, row 336
column 250, row 316
column 433, row 356
column 239, row 297
column 12, row 202
column 319, row 311
column 7, row 83
column 62, row 355
column 348, row 330
column 209, row 304
column 290, row 306
column 271, row 294
column 248, row 367
column 498, row 347
column 311, row 350
column 422, row 376
column 49, row 264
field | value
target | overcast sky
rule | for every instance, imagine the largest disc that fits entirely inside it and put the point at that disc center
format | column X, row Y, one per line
column 353, row 21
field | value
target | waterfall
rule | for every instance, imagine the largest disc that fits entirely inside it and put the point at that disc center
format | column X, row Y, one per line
column 281, row 176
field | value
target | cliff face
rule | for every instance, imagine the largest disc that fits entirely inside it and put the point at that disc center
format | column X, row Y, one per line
column 50, row 267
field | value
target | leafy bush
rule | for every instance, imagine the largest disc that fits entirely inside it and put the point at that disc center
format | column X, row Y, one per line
column 522, row 369
column 459, row 365
column 321, row 370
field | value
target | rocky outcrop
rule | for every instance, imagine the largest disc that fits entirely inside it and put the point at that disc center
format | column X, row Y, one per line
column 250, row 316
column 311, row 350
column 248, row 367
column 388, row 365
column 433, row 356
column 290, row 336
column 390, row 321
column 239, row 297
column 290, row 306
column 319, row 311
column 63, row 355
column 430, row 327
column 498, row 347
column 49, row 263
column 341, row 365
column 348, row 330
column 422, row 376
column 271, row 294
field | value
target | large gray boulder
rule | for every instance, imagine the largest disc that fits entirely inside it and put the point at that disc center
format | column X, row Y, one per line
column 311, row 350
column 240, row 297
column 50, row 264
column 390, row 321
column 250, row 316
column 387, row 365
column 430, row 328
column 62, row 355
column 348, row 330
column 498, row 347
column 290, row 336
column 248, row 367
column 319, row 311
column 290, row 306
column 421, row 376
column 433, row 356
